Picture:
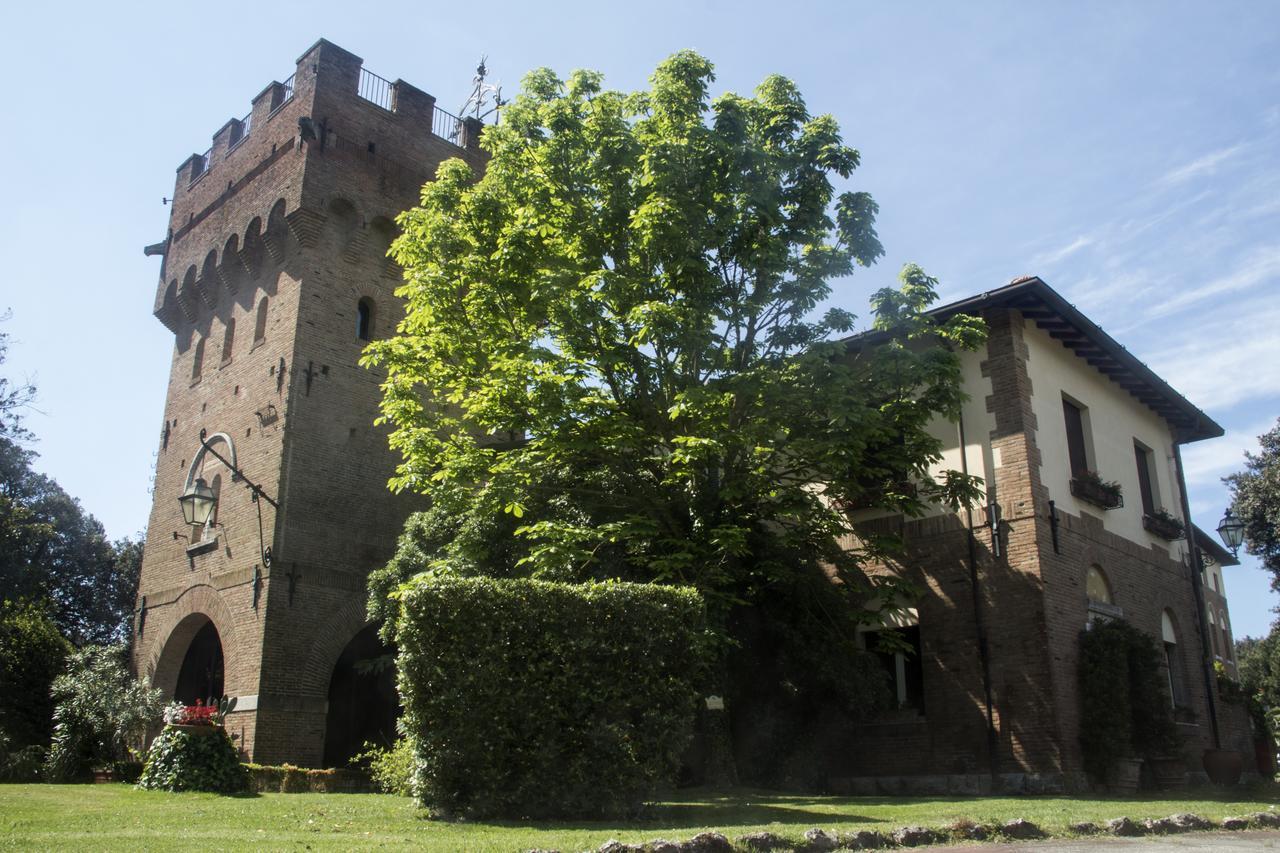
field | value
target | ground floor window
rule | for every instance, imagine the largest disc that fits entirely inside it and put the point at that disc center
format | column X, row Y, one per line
column 899, row 653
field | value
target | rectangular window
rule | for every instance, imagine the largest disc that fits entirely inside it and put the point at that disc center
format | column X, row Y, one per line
column 1074, row 417
column 1142, row 456
column 1177, row 688
column 903, row 669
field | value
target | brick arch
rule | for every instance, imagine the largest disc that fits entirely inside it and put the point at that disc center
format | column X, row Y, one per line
column 340, row 629
column 195, row 607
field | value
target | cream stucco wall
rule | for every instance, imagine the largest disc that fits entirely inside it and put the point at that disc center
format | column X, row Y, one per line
column 978, row 425
column 1114, row 420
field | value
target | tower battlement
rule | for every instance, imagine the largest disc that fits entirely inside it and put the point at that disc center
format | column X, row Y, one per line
column 331, row 107
column 275, row 277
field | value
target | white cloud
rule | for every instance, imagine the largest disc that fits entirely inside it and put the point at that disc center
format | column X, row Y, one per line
column 1053, row 257
column 1200, row 166
column 1262, row 265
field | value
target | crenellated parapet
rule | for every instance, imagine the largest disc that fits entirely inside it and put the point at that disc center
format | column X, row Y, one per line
column 332, row 146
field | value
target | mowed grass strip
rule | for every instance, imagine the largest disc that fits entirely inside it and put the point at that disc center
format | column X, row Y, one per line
column 118, row 817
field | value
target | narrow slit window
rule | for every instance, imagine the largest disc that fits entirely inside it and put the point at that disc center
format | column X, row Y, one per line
column 364, row 320
column 228, row 340
column 260, row 324
column 197, row 360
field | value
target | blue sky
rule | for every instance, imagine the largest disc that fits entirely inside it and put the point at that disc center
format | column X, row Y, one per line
column 1125, row 152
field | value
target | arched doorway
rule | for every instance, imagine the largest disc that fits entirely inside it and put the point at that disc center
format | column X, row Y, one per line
column 363, row 703
column 200, row 676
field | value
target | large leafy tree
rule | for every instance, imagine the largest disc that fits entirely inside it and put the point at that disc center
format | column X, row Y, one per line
column 615, row 362
column 51, row 549
column 1255, row 498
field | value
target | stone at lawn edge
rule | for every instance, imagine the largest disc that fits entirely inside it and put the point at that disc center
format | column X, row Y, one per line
column 707, row 842
column 1022, row 830
column 863, row 839
column 1235, row 823
column 613, row 845
column 1271, row 820
column 820, row 841
column 1084, row 828
column 763, row 841
column 913, row 836
column 969, row 831
column 662, row 845
column 1182, row 822
column 1124, row 826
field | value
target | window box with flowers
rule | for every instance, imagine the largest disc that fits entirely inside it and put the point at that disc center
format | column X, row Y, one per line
column 1089, row 487
column 1161, row 523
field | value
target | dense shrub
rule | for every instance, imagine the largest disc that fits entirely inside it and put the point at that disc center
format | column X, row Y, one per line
column 32, row 655
column 101, row 713
column 391, row 769
column 1125, row 709
column 199, row 760
column 533, row 699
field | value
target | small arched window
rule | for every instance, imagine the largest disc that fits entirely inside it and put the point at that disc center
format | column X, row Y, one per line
column 1172, row 660
column 364, row 319
column 1226, row 635
column 228, row 340
column 197, row 360
column 260, row 324
column 1096, row 586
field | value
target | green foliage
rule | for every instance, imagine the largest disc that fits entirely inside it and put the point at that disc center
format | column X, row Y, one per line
column 101, row 713
column 392, row 769
column 1255, row 498
column 182, row 760
column 613, row 364
column 1125, row 710
column 532, row 699
column 32, row 654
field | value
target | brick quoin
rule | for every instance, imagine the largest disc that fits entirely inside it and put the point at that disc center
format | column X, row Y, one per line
column 295, row 205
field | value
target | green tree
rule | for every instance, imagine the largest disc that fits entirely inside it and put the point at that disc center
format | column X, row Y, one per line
column 1255, row 498
column 614, row 339
column 32, row 654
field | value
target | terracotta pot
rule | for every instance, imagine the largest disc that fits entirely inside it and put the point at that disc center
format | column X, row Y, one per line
column 1169, row 772
column 101, row 777
column 1224, row 766
column 1124, row 775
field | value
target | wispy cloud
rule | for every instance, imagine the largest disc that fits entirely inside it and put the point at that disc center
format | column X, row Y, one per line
column 1200, row 166
column 1261, row 266
column 1207, row 462
column 1048, row 259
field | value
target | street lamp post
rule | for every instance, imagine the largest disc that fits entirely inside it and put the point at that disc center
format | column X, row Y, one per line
column 199, row 501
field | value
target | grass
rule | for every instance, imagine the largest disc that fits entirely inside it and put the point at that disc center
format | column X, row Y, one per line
column 118, row 817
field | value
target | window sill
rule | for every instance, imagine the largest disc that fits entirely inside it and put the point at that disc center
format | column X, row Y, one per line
column 225, row 363
column 259, row 342
column 902, row 717
column 194, row 382
column 202, row 547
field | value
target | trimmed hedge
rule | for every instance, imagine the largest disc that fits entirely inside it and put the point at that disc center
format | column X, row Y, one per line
column 529, row 699
column 287, row 779
column 180, row 760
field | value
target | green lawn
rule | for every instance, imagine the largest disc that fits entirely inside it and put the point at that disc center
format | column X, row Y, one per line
column 117, row 817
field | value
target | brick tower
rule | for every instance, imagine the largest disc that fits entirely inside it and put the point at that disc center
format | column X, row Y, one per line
column 274, row 277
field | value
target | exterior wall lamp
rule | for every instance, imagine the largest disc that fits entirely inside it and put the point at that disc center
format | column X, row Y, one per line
column 199, row 502
column 1231, row 529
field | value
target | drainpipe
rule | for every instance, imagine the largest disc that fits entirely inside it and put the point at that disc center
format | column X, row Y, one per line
column 979, row 625
column 1197, row 587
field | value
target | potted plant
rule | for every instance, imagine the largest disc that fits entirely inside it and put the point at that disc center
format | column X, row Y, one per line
column 1089, row 486
column 1163, row 524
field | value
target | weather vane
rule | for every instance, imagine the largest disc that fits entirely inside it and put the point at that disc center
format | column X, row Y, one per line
column 479, row 105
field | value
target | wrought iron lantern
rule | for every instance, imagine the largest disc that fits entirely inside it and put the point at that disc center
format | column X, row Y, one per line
column 1231, row 529
column 198, row 502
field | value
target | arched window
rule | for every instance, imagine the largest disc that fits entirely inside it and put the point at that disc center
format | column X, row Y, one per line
column 1173, row 661
column 197, row 360
column 260, row 324
column 1096, row 586
column 364, row 319
column 1226, row 635
column 228, row 340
